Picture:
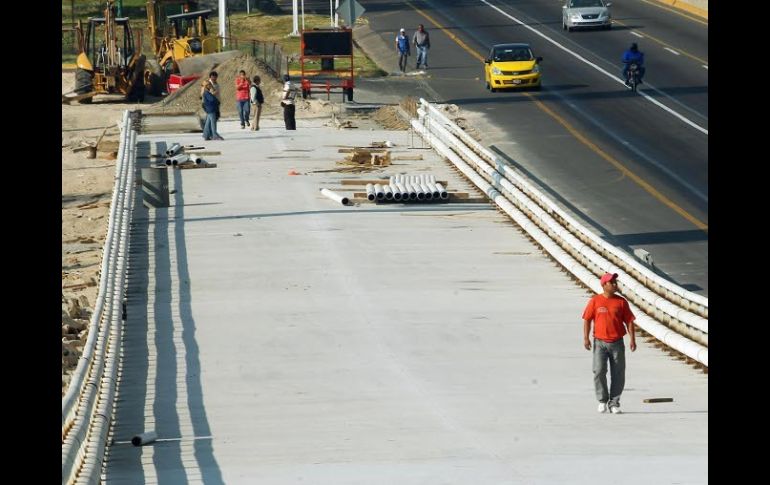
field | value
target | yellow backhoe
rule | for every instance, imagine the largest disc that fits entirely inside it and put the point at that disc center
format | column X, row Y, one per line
column 177, row 31
column 110, row 59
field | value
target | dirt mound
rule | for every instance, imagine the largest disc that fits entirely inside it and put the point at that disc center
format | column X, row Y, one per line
column 188, row 99
column 390, row 118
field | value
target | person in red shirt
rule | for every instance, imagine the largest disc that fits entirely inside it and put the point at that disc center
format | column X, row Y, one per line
column 609, row 312
column 242, row 86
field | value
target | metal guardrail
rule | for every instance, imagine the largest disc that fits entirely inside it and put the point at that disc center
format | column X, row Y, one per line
column 664, row 310
column 88, row 403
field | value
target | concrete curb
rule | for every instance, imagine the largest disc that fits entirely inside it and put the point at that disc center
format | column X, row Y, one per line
column 375, row 48
column 688, row 6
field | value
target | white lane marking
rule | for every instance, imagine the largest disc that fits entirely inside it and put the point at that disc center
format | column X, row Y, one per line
column 705, row 67
column 616, row 79
column 638, row 35
column 671, row 51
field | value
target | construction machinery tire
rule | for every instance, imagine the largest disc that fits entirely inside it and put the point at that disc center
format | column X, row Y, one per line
column 136, row 93
column 153, row 78
column 83, row 84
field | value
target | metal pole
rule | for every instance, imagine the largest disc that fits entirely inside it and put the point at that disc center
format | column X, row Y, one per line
column 303, row 14
column 295, row 20
column 248, row 7
column 223, row 21
column 336, row 15
column 352, row 14
column 331, row 14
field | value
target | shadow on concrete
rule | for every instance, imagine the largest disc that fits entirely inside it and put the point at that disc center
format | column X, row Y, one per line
column 170, row 284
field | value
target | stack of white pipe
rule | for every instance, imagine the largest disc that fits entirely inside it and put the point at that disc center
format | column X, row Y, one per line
column 173, row 150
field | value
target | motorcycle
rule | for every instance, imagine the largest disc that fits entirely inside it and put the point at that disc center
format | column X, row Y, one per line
column 632, row 79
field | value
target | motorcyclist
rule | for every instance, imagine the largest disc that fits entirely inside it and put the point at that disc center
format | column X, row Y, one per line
column 633, row 56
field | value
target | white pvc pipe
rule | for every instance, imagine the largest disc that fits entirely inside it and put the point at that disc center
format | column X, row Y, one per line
column 370, row 195
column 177, row 159
column 428, row 192
column 402, row 189
column 378, row 192
column 433, row 189
column 196, row 159
column 334, row 196
column 396, row 193
column 442, row 191
column 388, row 192
column 173, row 150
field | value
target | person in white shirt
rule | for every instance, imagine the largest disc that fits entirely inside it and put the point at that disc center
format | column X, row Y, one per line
column 287, row 101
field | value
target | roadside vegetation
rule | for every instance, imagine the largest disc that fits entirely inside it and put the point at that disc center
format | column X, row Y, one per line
column 265, row 26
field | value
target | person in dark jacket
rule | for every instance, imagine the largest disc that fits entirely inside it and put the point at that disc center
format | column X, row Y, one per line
column 402, row 46
column 210, row 98
column 257, row 99
column 633, row 56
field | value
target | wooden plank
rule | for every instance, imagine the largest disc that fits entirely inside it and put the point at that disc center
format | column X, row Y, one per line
column 659, row 399
column 79, row 97
column 185, row 113
column 408, row 157
column 378, row 181
column 197, row 165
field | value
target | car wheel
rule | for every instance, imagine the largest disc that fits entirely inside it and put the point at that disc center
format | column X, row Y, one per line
column 494, row 90
column 488, row 86
column 569, row 29
column 608, row 27
column 563, row 25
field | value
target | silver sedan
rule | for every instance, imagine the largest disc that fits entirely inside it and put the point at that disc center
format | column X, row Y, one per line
column 585, row 13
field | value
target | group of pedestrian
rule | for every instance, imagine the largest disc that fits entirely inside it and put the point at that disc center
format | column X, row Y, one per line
column 247, row 93
column 421, row 41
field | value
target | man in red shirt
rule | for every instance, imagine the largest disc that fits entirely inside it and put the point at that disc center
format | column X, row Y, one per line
column 609, row 312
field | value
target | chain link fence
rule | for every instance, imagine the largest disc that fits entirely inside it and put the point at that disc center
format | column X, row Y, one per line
column 268, row 54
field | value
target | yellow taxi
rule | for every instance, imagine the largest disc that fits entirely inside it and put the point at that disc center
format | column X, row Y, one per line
column 512, row 66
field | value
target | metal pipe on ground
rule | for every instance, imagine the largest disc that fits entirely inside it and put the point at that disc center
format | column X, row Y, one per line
column 370, row 195
column 378, row 192
column 335, row 196
column 404, row 193
column 442, row 191
column 388, row 192
column 396, row 193
column 173, row 150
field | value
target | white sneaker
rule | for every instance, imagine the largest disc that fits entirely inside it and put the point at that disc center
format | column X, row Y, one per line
column 602, row 407
column 615, row 410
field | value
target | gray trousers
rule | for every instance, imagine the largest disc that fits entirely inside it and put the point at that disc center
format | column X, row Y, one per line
column 615, row 353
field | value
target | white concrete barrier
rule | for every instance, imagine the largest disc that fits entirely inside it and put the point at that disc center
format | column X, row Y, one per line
column 87, row 404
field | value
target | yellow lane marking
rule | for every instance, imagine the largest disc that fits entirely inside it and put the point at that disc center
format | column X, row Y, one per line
column 585, row 141
column 639, row 181
column 680, row 5
column 447, row 32
column 664, row 44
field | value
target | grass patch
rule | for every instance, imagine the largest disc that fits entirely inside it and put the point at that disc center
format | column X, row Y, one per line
column 275, row 28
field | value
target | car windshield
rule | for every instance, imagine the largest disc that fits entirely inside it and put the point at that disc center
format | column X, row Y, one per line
column 512, row 54
column 585, row 3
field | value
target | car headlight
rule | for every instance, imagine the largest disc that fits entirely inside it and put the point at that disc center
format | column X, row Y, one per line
column 536, row 68
column 496, row 71
column 574, row 16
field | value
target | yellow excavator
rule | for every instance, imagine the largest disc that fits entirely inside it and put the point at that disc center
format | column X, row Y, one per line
column 177, row 31
column 110, row 59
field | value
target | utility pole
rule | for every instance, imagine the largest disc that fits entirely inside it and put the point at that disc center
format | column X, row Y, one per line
column 336, row 15
column 223, row 21
column 295, row 20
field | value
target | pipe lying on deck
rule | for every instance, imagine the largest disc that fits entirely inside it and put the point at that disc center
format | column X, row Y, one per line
column 335, row 196
column 173, row 150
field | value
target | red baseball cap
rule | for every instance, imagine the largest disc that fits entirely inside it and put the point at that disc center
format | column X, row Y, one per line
column 608, row 277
